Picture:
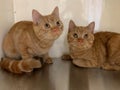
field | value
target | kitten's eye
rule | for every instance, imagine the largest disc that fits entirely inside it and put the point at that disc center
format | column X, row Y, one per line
column 75, row 35
column 47, row 25
column 58, row 23
column 86, row 36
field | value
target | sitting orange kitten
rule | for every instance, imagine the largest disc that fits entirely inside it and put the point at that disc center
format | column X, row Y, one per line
column 101, row 50
column 27, row 39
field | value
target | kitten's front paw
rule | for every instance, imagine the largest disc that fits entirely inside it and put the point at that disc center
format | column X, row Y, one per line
column 66, row 57
column 48, row 60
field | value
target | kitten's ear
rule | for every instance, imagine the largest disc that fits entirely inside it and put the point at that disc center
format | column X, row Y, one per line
column 71, row 25
column 56, row 12
column 91, row 27
column 36, row 16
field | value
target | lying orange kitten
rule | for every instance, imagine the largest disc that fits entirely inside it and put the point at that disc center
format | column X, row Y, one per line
column 101, row 50
column 27, row 39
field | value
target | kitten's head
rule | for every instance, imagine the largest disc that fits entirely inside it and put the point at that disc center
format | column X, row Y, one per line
column 81, row 36
column 48, row 27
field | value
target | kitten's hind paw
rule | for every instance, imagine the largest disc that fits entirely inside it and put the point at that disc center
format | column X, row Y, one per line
column 111, row 67
column 29, row 65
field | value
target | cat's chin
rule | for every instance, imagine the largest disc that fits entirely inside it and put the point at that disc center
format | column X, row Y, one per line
column 84, row 48
column 52, row 38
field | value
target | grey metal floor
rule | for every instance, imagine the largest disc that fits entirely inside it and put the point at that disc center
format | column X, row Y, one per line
column 61, row 75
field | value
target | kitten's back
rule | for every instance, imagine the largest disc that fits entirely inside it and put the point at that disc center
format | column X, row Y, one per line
column 20, row 26
column 104, row 36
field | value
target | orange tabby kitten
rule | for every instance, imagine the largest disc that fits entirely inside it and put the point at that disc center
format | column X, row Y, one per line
column 27, row 39
column 101, row 50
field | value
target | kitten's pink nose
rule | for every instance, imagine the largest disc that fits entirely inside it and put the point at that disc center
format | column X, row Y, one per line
column 55, row 29
column 80, row 40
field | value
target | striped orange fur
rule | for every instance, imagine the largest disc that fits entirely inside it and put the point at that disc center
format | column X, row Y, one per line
column 27, row 39
column 19, row 67
column 93, row 50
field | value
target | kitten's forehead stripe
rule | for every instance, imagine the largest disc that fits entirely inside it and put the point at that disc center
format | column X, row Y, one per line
column 80, row 30
column 50, row 19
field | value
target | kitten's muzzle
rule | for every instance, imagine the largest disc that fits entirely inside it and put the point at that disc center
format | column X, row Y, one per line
column 56, row 29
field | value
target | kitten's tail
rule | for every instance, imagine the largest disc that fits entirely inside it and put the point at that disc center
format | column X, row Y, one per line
column 66, row 57
column 20, row 66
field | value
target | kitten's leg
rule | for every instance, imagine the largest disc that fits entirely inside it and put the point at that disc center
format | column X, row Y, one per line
column 113, row 47
column 47, row 58
column 26, row 56
column 24, row 52
column 85, row 63
column 66, row 57
column 113, row 61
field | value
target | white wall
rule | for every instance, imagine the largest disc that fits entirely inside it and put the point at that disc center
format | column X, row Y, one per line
column 6, row 19
column 78, row 10
column 105, row 13
column 110, row 19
